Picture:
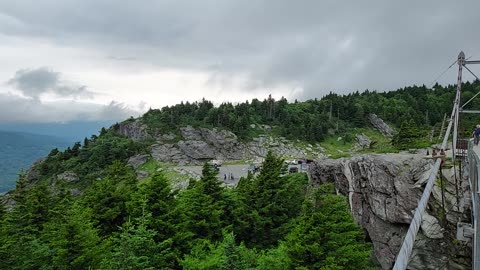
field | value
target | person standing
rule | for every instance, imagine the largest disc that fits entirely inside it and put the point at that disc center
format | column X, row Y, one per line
column 476, row 135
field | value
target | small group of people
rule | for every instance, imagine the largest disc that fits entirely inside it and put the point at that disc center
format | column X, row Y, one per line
column 230, row 176
column 476, row 135
column 441, row 154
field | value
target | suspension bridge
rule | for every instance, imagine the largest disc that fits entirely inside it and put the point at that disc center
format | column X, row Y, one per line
column 471, row 159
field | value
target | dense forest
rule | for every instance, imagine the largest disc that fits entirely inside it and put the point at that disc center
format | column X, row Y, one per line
column 269, row 221
column 311, row 120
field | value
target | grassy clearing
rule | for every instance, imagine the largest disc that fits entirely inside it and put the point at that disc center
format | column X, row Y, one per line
column 338, row 148
column 382, row 144
column 152, row 166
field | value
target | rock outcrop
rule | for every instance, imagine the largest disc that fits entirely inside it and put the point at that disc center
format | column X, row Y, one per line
column 362, row 142
column 134, row 129
column 200, row 144
column 138, row 160
column 383, row 192
column 68, row 176
column 379, row 124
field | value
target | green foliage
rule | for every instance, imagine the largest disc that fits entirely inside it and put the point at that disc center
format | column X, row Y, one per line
column 274, row 259
column 73, row 241
column 409, row 136
column 325, row 235
column 269, row 202
column 135, row 247
column 89, row 161
column 226, row 255
column 119, row 223
column 311, row 120
column 201, row 207
column 109, row 197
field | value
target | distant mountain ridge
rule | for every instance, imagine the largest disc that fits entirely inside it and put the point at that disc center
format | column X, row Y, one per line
column 18, row 150
column 73, row 131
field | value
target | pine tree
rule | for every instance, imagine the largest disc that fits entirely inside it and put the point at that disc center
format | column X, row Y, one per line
column 225, row 255
column 135, row 247
column 269, row 205
column 74, row 241
column 326, row 237
column 109, row 198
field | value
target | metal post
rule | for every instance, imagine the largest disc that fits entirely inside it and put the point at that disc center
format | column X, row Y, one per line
column 456, row 105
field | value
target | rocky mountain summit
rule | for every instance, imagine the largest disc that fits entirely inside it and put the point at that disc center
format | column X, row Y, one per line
column 383, row 192
column 196, row 145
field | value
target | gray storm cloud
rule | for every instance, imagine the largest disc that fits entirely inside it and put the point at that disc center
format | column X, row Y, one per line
column 17, row 109
column 35, row 82
column 319, row 46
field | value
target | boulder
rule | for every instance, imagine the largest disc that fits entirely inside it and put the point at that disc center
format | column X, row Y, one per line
column 431, row 227
column 142, row 174
column 362, row 142
column 75, row 192
column 68, row 176
column 138, row 160
column 379, row 124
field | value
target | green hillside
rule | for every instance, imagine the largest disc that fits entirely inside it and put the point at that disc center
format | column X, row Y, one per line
column 313, row 120
column 106, row 218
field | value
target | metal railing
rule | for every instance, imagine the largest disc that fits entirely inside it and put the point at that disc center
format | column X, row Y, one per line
column 473, row 178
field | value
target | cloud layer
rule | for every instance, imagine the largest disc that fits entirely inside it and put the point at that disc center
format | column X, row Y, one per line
column 35, row 82
column 298, row 49
column 17, row 109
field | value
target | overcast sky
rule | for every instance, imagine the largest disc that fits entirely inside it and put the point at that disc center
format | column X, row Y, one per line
column 68, row 60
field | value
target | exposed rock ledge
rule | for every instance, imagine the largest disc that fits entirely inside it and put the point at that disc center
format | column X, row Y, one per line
column 196, row 145
column 383, row 191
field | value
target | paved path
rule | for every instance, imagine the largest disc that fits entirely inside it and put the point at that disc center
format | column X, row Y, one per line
column 236, row 171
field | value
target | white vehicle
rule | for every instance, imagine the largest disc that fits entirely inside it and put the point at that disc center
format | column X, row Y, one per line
column 291, row 162
column 216, row 162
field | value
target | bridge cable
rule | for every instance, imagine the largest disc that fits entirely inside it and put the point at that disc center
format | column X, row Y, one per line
column 401, row 261
column 443, row 73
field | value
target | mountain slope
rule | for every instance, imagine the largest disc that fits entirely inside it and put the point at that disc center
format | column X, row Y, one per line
column 18, row 150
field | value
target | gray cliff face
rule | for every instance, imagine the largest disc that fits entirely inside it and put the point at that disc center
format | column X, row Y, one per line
column 135, row 130
column 196, row 145
column 199, row 145
column 383, row 191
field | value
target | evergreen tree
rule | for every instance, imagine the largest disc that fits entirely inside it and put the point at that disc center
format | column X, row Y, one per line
column 226, row 255
column 109, row 197
column 73, row 241
column 135, row 247
column 270, row 201
column 326, row 237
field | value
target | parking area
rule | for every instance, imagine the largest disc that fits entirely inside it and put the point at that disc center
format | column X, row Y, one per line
column 230, row 174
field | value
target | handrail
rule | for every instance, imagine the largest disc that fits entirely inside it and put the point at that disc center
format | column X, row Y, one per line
column 473, row 178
